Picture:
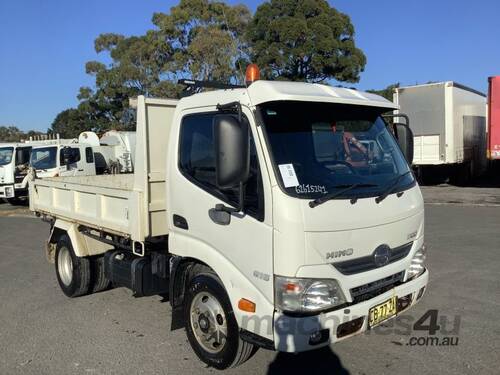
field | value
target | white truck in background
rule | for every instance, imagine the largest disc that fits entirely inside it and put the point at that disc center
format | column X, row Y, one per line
column 14, row 165
column 280, row 215
column 448, row 121
column 88, row 155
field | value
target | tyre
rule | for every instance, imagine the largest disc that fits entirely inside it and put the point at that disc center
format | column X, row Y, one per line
column 73, row 273
column 15, row 201
column 211, row 327
column 462, row 174
column 98, row 281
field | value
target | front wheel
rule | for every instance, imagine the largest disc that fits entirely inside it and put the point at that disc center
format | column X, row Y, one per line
column 211, row 327
column 17, row 201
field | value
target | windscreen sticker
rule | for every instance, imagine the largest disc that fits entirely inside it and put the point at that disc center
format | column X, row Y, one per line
column 306, row 188
column 288, row 175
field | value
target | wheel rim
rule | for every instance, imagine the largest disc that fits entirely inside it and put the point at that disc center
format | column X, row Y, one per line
column 208, row 322
column 65, row 266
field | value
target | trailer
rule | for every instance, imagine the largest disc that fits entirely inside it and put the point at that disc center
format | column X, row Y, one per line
column 494, row 118
column 448, row 121
column 233, row 211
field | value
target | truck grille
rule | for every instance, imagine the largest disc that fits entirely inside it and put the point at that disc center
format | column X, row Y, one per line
column 367, row 263
column 375, row 288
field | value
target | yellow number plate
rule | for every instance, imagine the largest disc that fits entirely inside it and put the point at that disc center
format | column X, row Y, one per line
column 379, row 313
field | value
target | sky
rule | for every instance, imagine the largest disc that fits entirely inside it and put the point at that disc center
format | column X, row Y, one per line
column 44, row 45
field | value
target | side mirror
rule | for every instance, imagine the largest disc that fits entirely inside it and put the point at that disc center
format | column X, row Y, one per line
column 232, row 151
column 22, row 157
column 404, row 136
column 67, row 156
column 232, row 158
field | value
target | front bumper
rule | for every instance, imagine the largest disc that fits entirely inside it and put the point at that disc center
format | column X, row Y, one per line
column 7, row 191
column 292, row 334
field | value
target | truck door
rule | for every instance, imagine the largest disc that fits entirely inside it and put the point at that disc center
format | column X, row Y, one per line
column 74, row 168
column 87, row 165
column 245, row 243
column 22, row 164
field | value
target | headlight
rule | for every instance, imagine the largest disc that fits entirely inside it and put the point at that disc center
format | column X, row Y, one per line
column 417, row 266
column 306, row 295
column 9, row 192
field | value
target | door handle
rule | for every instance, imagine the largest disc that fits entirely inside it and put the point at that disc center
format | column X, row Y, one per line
column 219, row 216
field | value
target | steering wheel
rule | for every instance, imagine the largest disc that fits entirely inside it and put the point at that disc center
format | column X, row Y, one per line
column 341, row 162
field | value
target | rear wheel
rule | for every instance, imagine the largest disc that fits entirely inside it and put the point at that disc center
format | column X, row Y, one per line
column 73, row 273
column 211, row 327
column 99, row 281
column 462, row 174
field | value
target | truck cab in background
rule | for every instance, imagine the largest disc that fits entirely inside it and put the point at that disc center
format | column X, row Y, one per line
column 14, row 164
column 63, row 159
column 88, row 155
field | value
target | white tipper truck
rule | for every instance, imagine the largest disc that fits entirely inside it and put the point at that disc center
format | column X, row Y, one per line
column 279, row 215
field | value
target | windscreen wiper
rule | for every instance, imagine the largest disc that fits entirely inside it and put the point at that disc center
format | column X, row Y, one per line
column 336, row 194
column 391, row 187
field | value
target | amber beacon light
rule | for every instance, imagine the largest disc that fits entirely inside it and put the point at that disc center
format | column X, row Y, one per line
column 252, row 74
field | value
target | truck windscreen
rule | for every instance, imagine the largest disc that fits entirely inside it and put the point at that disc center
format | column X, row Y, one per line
column 6, row 155
column 322, row 148
column 44, row 158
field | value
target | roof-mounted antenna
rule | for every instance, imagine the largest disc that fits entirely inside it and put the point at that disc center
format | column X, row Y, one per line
column 193, row 86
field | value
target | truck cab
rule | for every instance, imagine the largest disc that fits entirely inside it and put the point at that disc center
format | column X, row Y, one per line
column 14, row 162
column 333, row 218
column 63, row 159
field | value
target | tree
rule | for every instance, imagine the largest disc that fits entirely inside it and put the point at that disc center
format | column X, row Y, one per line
column 198, row 39
column 70, row 123
column 138, row 64
column 304, row 40
column 13, row 134
column 207, row 37
column 10, row 134
column 387, row 92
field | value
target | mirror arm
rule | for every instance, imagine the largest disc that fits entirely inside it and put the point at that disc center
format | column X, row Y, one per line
column 241, row 203
column 229, row 107
column 395, row 115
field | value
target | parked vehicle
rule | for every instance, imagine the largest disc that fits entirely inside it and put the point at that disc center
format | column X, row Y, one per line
column 113, row 152
column 283, row 215
column 449, row 124
column 494, row 118
column 63, row 159
column 87, row 156
column 14, row 164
